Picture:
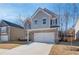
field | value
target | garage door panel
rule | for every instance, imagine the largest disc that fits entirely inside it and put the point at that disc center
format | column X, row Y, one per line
column 44, row 37
column 4, row 37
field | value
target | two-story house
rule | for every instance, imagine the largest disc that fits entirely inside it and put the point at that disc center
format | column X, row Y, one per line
column 44, row 26
column 44, row 18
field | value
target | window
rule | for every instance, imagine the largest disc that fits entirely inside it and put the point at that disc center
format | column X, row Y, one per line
column 56, row 21
column 51, row 22
column 3, row 29
column 35, row 21
column 44, row 21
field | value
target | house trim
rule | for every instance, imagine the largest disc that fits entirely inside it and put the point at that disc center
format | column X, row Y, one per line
column 40, row 9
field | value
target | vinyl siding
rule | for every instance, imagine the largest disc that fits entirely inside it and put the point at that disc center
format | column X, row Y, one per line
column 17, row 33
column 39, row 17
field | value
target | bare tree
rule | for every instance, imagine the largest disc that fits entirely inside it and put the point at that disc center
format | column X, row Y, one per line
column 75, row 13
column 66, row 18
column 59, row 17
column 20, row 20
column 62, row 21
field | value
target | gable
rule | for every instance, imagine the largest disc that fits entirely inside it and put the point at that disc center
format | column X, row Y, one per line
column 40, row 14
column 44, row 12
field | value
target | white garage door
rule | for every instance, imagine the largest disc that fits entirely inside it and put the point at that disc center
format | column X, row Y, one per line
column 44, row 37
column 4, row 38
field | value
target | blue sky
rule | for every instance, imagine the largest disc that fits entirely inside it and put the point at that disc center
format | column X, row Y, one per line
column 25, row 10
column 11, row 12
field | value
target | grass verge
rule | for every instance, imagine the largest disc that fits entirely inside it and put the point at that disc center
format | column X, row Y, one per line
column 8, row 45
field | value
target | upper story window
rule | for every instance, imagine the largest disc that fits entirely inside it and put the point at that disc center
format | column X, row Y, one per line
column 56, row 21
column 35, row 21
column 51, row 22
column 44, row 21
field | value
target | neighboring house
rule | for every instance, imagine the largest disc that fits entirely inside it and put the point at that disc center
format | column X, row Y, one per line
column 10, row 31
column 44, row 27
column 76, row 27
column 27, row 23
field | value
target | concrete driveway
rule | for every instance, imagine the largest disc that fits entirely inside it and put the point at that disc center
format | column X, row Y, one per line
column 3, row 50
column 31, row 49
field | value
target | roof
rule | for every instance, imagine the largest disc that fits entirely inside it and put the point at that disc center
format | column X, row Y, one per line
column 11, row 24
column 47, row 11
column 50, row 12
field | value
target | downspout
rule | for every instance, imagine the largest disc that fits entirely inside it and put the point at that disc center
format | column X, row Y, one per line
column 8, row 32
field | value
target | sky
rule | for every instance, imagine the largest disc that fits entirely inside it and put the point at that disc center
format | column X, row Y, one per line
column 15, row 12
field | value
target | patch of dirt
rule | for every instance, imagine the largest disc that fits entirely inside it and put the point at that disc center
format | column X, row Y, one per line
column 8, row 45
column 64, row 50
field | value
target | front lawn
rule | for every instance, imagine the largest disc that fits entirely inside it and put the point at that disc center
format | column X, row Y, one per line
column 59, row 49
column 8, row 45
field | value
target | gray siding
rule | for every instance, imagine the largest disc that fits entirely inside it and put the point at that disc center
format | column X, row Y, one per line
column 39, row 17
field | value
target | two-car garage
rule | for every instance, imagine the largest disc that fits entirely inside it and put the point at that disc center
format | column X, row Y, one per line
column 44, row 35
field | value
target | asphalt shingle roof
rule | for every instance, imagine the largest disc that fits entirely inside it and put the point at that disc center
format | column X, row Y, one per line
column 12, row 24
column 50, row 12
